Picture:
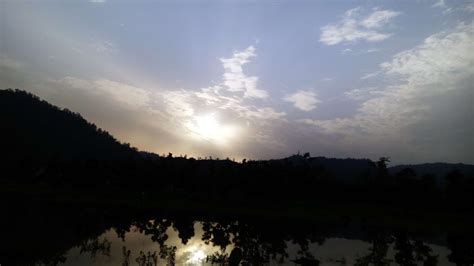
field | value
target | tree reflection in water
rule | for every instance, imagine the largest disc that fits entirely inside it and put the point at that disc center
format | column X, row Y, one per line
column 225, row 241
column 241, row 243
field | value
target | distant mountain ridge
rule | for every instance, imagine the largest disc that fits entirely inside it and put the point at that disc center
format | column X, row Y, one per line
column 439, row 170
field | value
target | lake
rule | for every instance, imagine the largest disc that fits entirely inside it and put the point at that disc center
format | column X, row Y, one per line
column 36, row 233
column 137, row 247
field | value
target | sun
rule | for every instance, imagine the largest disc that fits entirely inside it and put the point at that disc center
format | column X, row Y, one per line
column 208, row 127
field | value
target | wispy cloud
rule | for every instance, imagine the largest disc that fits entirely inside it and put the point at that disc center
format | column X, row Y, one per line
column 440, row 4
column 359, row 52
column 469, row 7
column 303, row 100
column 105, row 47
column 127, row 95
column 327, row 79
column 235, row 78
column 347, row 51
column 95, row 46
column 354, row 27
column 363, row 93
column 378, row 18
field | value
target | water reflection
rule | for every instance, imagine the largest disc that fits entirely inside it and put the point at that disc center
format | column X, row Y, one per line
column 139, row 246
column 79, row 235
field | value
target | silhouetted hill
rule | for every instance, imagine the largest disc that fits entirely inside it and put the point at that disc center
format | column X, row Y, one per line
column 346, row 170
column 438, row 170
column 32, row 129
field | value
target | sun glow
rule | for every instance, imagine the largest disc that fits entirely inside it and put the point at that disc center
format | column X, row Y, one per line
column 196, row 257
column 208, row 127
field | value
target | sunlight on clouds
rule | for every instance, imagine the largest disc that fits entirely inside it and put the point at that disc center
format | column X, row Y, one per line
column 197, row 256
column 208, row 127
column 217, row 114
column 120, row 92
column 177, row 103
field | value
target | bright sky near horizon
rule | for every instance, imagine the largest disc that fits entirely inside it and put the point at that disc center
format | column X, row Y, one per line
column 255, row 79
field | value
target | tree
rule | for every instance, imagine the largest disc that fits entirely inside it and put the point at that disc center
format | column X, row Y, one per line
column 382, row 172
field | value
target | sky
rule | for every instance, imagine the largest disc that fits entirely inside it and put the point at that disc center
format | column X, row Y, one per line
column 255, row 79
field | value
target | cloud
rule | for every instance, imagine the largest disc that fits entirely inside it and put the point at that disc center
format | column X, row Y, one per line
column 428, row 75
column 442, row 57
column 138, row 115
column 362, row 93
column 223, row 105
column 187, row 103
column 359, row 52
column 97, row 1
column 227, row 121
column 370, row 75
column 346, row 51
column 469, row 7
column 234, row 77
column 105, row 47
column 225, row 98
column 95, row 46
column 378, row 18
column 119, row 92
column 303, row 100
column 178, row 103
column 353, row 27
column 8, row 62
column 440, row 4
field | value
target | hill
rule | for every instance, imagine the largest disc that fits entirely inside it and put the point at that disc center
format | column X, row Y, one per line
column 33, row 129
column 438, row 170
